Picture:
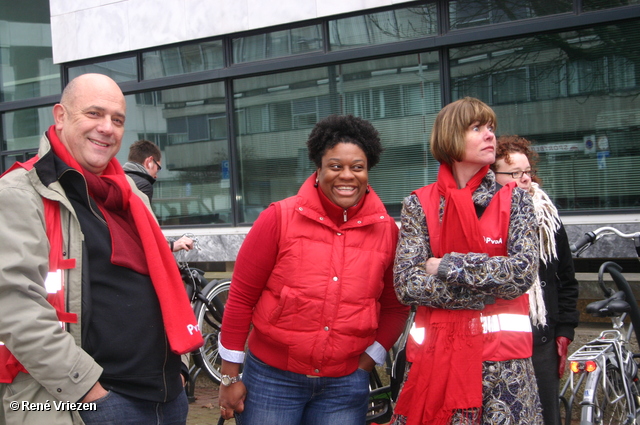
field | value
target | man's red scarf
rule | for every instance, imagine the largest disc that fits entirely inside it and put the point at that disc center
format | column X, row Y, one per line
column 138, row 243
column 446, row 373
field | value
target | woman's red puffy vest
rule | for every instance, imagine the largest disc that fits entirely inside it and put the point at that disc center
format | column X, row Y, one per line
column 320, row 308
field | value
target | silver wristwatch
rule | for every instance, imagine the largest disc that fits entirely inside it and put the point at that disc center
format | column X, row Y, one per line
column 227, row 380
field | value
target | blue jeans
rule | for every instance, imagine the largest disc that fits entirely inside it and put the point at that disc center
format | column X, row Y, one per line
column 276, row 397
column 118, row 409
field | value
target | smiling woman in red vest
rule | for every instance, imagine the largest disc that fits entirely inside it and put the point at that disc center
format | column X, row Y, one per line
column 467, row 254
column 314, row 277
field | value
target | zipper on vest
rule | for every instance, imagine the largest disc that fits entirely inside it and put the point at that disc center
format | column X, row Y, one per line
column 344, row 215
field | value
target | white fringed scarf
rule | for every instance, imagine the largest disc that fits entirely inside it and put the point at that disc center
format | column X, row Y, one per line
column 548, row 224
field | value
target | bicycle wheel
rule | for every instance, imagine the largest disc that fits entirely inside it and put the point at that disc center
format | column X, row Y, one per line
column 379, row 408
column 209, row 317
column 605, row 399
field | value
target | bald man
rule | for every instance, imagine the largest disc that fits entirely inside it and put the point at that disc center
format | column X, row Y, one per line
column 88, row 314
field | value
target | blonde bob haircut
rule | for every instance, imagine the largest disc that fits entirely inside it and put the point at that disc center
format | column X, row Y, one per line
column 451, row 125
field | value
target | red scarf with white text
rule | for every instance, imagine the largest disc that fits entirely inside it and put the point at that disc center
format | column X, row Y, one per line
column 446, row 373
column 139, row 244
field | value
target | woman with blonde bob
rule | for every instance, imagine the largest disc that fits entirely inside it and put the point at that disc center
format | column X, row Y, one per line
column 467, row 254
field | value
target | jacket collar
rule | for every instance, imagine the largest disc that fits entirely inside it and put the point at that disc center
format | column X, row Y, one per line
column 138, row 169
column 49, row 167
column 368, row 211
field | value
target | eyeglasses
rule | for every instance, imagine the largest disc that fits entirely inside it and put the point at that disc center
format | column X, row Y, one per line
column 518, row 174
column 160, row 167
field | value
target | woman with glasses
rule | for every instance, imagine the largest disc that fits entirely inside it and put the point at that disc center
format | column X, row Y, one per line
column 554, row 296
column 467, row 254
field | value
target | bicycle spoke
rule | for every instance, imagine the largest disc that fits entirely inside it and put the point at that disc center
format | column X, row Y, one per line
column 610, row 402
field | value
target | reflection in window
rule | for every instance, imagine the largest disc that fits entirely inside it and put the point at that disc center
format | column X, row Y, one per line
column 376, row 103
column 590, row 5
column 586, row 76
column 23, row 129
column 306, row 112
column 282, row 116
column 277, row 44
column 9, row 159
column 148, row 98
column 26, row 57
column 472, row 13
column 399, row 95
column 383, row 27
column 120, row 70
column 183, row 59
column 512, row 86
column 478, row 86
column 189, row 125
column 218, row 127
column 572, row 93
column 159, row 139
column 547, row 80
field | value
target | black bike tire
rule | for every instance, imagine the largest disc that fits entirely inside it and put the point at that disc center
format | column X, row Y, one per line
column 379, row 408
column 207, row 356
column 599, row 410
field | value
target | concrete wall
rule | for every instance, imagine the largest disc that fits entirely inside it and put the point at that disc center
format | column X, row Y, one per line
column 84, row 29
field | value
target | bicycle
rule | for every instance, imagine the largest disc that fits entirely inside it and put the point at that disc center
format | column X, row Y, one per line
column 604, row 371
column 208, row 299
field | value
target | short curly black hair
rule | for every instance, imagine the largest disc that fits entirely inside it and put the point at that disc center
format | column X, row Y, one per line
column 335, row 129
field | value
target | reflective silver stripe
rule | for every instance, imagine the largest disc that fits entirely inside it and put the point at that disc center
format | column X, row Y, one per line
column 53, row 282
column 417, row 333
column 506, row 322
column 490, row 324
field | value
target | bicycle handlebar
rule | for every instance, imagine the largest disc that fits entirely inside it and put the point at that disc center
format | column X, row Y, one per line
column 587, row 238
column 590, row 238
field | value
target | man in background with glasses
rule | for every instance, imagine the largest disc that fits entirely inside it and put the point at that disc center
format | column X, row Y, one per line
column 143, row 165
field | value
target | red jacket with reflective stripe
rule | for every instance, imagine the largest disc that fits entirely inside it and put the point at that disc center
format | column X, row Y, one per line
column 507, row 332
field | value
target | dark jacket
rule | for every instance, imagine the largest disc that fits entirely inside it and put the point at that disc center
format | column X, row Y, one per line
column 560, row 291
column 142, row 179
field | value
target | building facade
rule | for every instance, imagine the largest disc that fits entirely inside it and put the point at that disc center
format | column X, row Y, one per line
column 230, row 90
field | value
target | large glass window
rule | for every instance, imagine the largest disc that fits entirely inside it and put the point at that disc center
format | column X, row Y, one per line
column 26, row 64
column 383, row 27
column 575, row 94
column 275, row 113
column 120, row 70
column 277, row 44
column 21, row 133
column 10, row 158
column 189, row 124
column 183, row 59
column 589, row 5
column 473, row 13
